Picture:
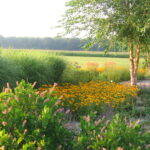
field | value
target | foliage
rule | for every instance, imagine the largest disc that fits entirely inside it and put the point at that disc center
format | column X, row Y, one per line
column 112, row 72
column 31, row 121
column 105, row 20
column 74, row 74
column 117, row 134
column 40, row 67
column 145, row 96
column 146, row 63
column 46, row 68
column 92, row 70
column 142, row 73
column 9, row 72
column 124, row 23
column 86, row 97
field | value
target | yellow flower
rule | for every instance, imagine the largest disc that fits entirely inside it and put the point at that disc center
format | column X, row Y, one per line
column 92, row 93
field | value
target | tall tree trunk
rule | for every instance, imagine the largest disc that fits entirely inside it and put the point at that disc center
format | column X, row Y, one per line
column 132, row 74
column 134, row 62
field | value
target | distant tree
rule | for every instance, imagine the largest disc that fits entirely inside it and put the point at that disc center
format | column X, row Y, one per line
column 123, row 22
column 43, row 43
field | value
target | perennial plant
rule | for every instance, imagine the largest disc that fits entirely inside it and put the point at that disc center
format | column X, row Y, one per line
column 93, row 94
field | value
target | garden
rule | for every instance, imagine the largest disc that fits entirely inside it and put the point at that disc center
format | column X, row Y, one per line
column 72, row 100
column 48, row 103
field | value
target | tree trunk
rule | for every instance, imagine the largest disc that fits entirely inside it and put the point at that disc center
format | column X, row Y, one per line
column 134, row 62
column 132, row 73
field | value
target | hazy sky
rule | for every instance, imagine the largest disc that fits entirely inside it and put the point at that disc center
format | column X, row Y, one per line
column 32, row 18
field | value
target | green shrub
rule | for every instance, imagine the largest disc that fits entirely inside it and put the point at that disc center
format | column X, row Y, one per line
column 111, row 135
column 9, row 72
column 31, row 121
column 17, row 65
column 42, row 70
column 54, row 69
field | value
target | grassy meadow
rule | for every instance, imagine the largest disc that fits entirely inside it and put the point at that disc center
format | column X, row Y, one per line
column 76, row 103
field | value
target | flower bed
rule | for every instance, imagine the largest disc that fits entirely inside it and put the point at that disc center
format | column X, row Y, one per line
column 97, row 95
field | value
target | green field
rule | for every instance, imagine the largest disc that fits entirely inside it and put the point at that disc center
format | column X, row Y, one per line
column 80, row 57
column 101, row 60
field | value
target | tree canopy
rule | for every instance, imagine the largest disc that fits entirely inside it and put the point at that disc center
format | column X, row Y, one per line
column 125, row 23
column 114, row 20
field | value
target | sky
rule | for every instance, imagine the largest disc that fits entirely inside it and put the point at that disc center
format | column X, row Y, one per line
column 30, row 18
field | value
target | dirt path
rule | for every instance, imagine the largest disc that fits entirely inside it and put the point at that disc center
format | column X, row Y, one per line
column 141, row 83
column 144, row 84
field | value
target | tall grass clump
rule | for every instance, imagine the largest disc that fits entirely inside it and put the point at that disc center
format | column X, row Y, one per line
column 47, row 70
column 114, row 74
column 9, row 72
column 108, row 71
column 118, row 74
column 31, row 67
column 75, row 74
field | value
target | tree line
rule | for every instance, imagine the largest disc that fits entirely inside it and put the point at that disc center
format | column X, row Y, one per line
column 44, row 43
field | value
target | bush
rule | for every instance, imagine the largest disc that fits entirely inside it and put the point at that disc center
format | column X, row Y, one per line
column 117, row 134
column 31, row 121
column 54, row 69
column 9, row 72
column 42, row 70
column 17, row 65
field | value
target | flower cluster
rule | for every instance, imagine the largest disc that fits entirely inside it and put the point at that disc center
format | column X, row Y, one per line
column 92, row 93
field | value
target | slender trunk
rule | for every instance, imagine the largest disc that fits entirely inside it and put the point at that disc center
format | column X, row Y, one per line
column 137, row 57
column 134, row 62
column 132, row 66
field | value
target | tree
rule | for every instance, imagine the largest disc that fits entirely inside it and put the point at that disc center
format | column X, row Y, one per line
column 123, row 22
